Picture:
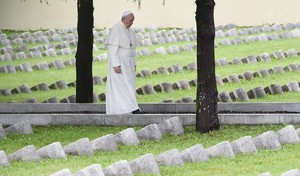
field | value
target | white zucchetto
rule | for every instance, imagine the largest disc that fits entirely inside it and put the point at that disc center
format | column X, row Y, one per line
column 127, row 12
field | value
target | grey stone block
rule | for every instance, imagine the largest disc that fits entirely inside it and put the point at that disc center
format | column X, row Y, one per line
column 92, row 170
column 196, row 153
column 239, row 94
column 120, row 168
column 23, row 127
column 145, row 164
column 21, row 89
column 160, row 50
column 162, row 70
column 267, row 140
column 191, row 66
column 249, row 60
column 61, row 84
column 40, row 87
column 170, row 158
column 264, row 57
column 2, row 132
column 80, row 147
column 127, row 137
column 5, row 92
column 273, row 89
column 64, row 172
column 278, row 55
column 145, row 90
column 294, row 172
column 222, row 62
column 8, row 69
column 222, row 149
column 173, row 49
column 248, row 76
column 27, row 153
column 43, row 65
column 243, row 145
column 224, row 97
column 105, row 143
column 3, row 159
column 288, row 135
column 149, row 132
column 98, row 80
column 176, row 68
column 57, row 64
column 257, row 92
column 52, row 151
column 171, row 126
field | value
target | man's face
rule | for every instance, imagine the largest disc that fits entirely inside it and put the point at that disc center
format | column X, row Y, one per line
column 128, row 20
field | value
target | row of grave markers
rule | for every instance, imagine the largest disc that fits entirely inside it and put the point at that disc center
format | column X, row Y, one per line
column 149, row 163
column 176, row 68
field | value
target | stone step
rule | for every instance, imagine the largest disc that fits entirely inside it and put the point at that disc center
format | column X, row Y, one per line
column 171, row 108
column 144, row 119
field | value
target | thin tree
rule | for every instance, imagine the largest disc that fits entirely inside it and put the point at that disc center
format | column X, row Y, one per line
column 206, row 97
column 84, row 53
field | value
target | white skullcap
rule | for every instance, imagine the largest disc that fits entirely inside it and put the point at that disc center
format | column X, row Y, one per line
column 127, row 12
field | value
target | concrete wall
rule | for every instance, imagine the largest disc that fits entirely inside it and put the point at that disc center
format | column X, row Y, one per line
column 59, row 14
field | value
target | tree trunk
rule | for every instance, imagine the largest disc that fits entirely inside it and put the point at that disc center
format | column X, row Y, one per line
column 206, row 104
column 84, row 54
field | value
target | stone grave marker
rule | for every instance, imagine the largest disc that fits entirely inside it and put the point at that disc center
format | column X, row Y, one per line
column 236, row 61
column 277, row 69
column 292, row 86
column 5, row 92
column 219, row 33
column 81, row 147
column 164, row 87
column 162, row 70
column 92, row 170
column 291, row 53
column 286, row 35
column 146, row 42
column 225, row 42
column 50, row 53
column 145, row 90
column 145, row 164
column 102, row 97
column 292, row 67
column 248, row 76
column 35, row 54
column 145, row 72
column 8, row 69
column 243, row 145
column 273, row 89
column 262, row 37
column 257, row 92
column 224, row 97
column 239, row 95
column 237, row 41
column 288, row 135
column 52, row 151
column 27, row 153
column 221, row 149
column 30, row 100
column 43, row 65
column 23, row 127
column 249, row 60
column 171, row 126
column 149, row 132
column 278, row 55
column 40, row 87
column 57, row 64
column 98, row 80
column 274, row 37
column 52, row 100
column 267, row 140
column 264, row 57
column 105, row 143
column 25, row 67
column 120, row 168
column 173, row 49
column 187, row 100
column 222, row 62
column 20, row 56
column 170, row 158
column 160, row 50
column 176, row 68
column 182, row 85
column 127, row 137
column 195, row 154
column 296, row 33
column 5, row 57
column 61, row 84
column 188, row 47
column 193, row 82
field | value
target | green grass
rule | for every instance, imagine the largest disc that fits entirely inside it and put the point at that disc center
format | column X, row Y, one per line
column 274, row 161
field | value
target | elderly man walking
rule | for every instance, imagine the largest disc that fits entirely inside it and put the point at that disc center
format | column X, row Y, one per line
column 121, row 81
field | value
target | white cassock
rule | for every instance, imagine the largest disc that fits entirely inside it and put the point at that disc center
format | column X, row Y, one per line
column 121, row 87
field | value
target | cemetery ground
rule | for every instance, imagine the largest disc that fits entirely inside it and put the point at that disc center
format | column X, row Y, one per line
column 247, row 58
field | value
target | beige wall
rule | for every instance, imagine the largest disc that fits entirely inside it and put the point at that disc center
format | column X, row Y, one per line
column 31, row 14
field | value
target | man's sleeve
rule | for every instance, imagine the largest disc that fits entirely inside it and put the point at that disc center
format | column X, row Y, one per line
column 113, row 55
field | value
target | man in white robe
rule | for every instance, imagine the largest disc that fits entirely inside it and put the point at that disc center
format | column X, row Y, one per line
column 121, row 80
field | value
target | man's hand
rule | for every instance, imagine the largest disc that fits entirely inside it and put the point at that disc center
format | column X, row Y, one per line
column 118, row 69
